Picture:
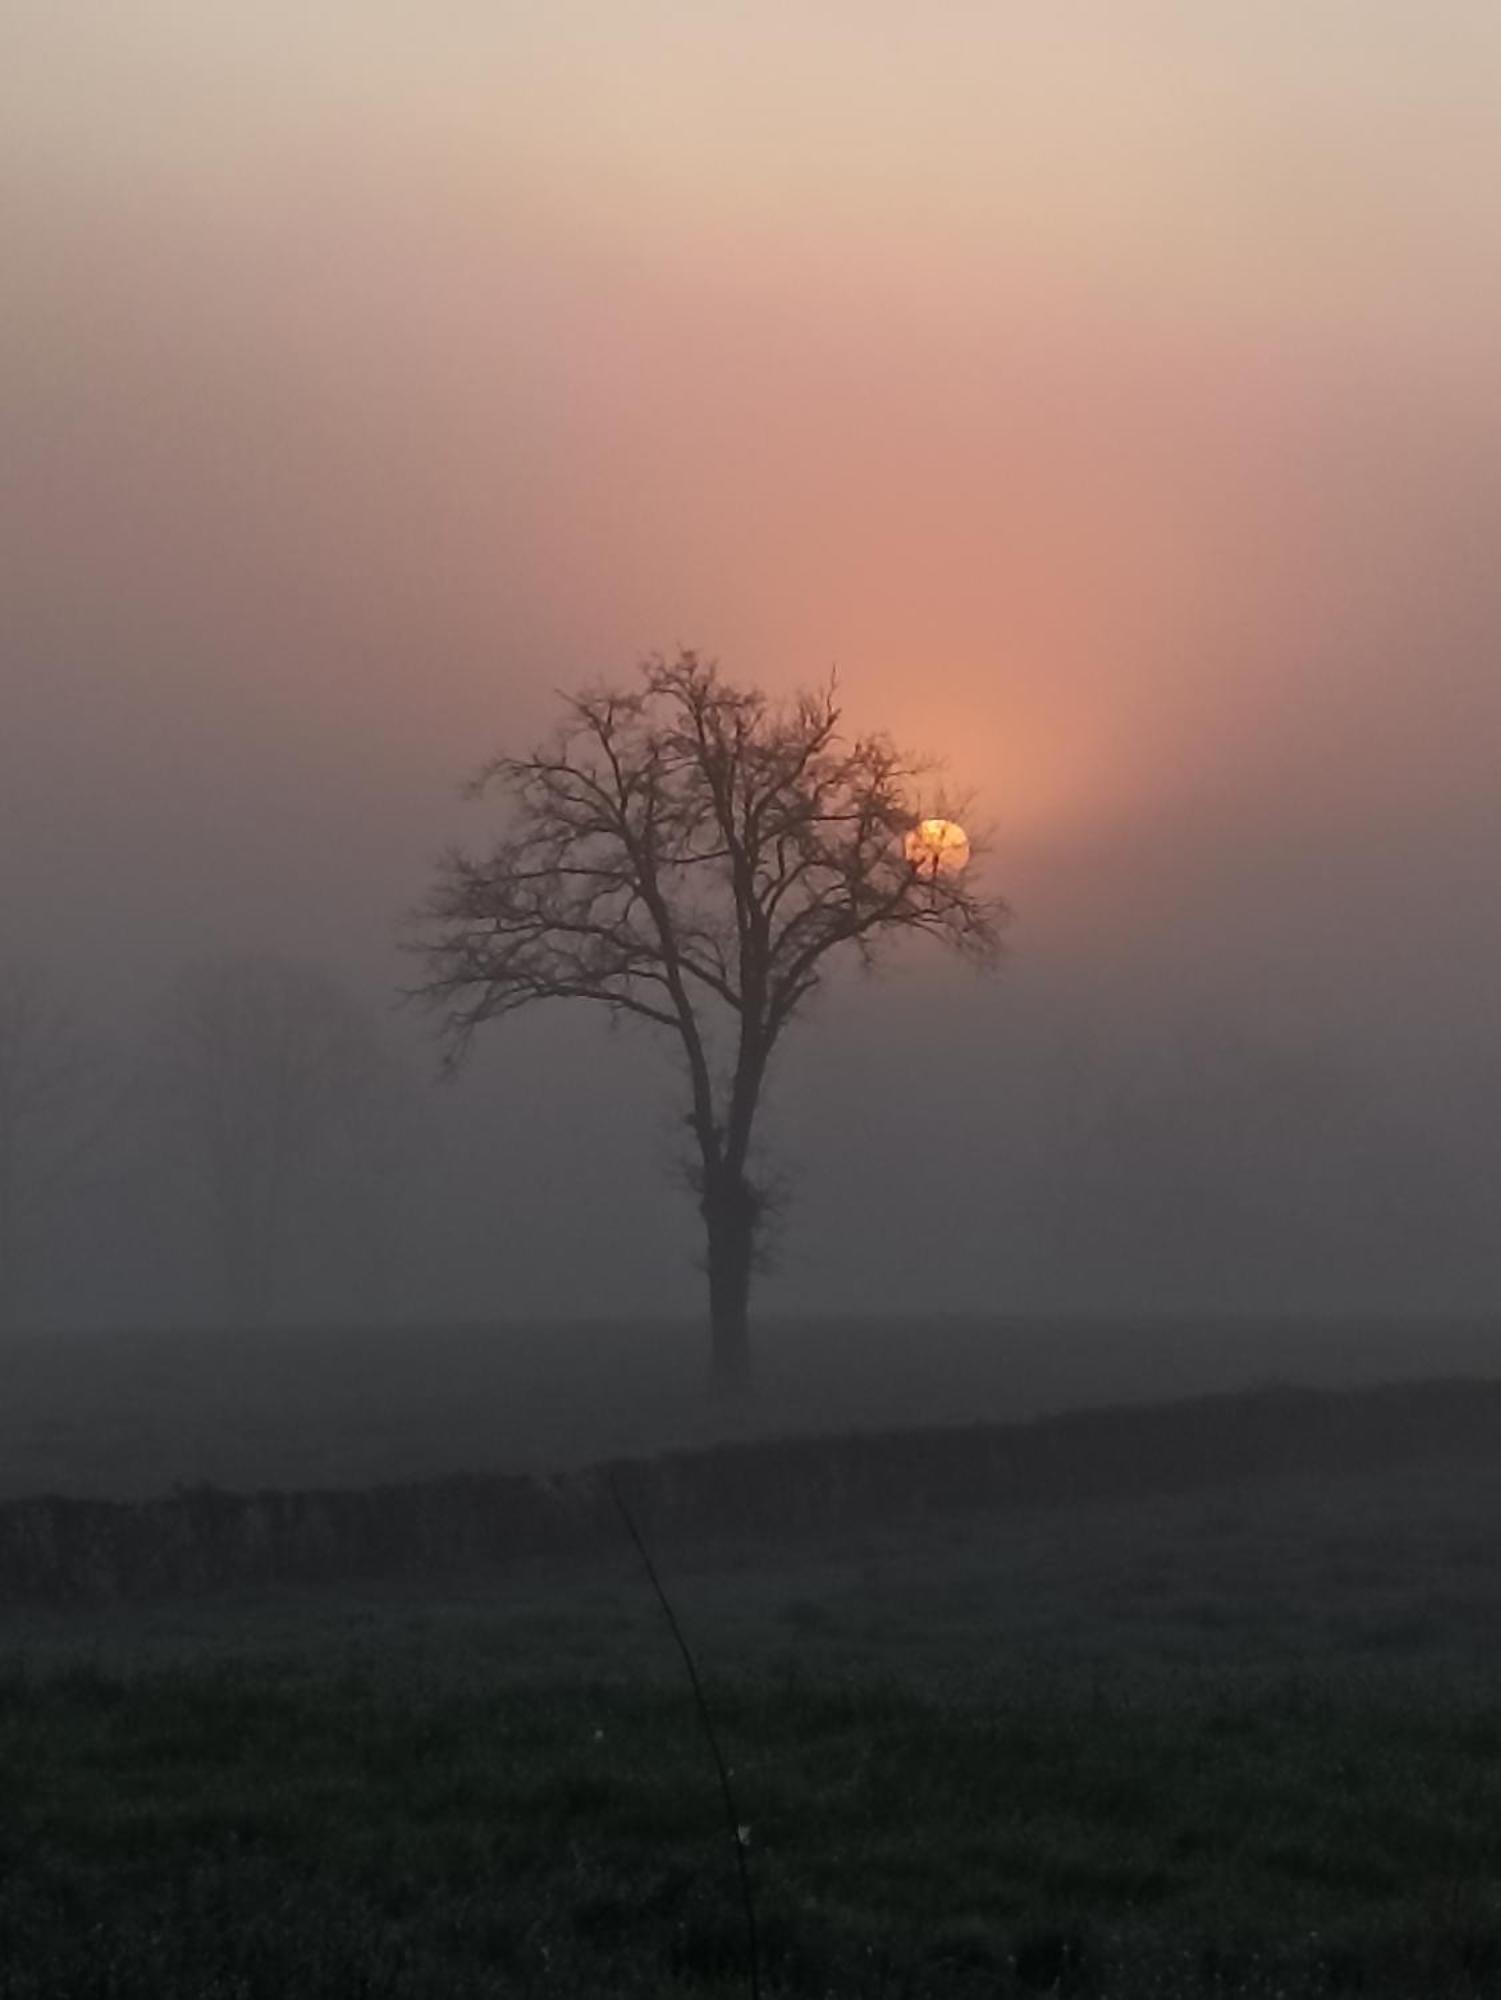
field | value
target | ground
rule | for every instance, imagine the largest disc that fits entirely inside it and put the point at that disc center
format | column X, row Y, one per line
column 1245, row 1741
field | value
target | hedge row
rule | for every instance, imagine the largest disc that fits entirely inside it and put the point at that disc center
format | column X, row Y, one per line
column 198, row 1540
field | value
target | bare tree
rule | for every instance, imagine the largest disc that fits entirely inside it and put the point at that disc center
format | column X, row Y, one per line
column 692, row 854
column 49, row 1117
column 268, row 1062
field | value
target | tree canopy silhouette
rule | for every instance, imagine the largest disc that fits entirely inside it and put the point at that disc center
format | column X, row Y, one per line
column 694, row 854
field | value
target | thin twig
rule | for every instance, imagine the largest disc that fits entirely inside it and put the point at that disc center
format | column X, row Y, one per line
column 732, row 1812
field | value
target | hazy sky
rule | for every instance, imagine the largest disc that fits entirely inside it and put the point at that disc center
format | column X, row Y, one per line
column 1108, row 387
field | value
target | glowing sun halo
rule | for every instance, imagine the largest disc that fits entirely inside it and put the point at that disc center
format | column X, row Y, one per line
column 937, row 847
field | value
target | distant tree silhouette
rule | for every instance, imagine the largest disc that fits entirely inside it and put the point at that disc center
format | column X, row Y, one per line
column 50, row 1117
column 693, row 854
column 268, row 1062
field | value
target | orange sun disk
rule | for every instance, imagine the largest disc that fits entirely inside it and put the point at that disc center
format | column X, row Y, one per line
column 937, row 847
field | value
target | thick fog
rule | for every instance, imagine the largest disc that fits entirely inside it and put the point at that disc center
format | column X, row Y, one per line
column 1109, row 391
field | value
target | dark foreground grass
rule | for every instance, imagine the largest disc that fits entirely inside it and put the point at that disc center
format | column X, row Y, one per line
column 229, row 1831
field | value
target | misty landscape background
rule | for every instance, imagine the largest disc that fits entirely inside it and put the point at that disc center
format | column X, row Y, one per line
column 352, row 403
column 1007, row 1160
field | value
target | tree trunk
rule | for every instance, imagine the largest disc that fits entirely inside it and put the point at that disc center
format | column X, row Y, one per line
column 730, row 1220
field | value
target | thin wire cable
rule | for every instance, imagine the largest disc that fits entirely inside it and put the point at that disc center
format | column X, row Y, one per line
column 727, row 1793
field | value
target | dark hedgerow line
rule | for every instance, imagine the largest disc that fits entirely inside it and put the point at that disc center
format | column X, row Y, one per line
column 201, row 1540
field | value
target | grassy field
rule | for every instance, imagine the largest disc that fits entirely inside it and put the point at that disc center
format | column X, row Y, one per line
column 1240, row 1742
column 225, row 1833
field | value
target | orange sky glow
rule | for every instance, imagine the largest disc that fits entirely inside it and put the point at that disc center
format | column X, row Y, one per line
column 1106, row 390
